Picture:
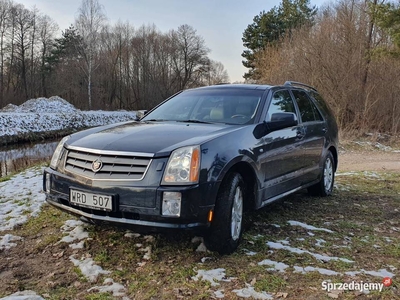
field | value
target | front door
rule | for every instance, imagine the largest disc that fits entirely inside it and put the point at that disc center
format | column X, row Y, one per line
column 281, row 160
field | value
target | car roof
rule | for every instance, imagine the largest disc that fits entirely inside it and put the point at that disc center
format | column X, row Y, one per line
column 248, row 86
column 252, row 86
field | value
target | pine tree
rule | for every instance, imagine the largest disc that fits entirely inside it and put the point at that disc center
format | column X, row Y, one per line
column 268, row 28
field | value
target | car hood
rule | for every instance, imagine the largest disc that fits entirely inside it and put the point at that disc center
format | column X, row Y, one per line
column 157, row 138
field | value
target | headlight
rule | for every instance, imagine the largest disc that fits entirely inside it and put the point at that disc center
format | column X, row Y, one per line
column 57, row 153
column 183, row 166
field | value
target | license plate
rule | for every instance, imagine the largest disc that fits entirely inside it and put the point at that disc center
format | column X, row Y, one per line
column 90, row 200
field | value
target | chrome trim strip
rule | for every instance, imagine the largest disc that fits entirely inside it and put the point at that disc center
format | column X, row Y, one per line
column 108, row 179
column 108, row 152
column 270, row 200
column 123, row 220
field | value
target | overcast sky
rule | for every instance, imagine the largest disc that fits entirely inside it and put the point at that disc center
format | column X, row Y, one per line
column 220, row 22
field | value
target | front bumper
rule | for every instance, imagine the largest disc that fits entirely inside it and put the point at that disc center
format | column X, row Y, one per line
column 134, row 205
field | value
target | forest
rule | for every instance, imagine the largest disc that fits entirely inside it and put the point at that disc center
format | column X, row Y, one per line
column 96, row 65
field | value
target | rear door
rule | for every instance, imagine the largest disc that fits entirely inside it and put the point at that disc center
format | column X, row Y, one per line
column 281, row 160
column 314, row 129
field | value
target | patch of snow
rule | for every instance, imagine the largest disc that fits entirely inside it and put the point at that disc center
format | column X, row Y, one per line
column 382, row 147
column 284, row 242
column 77, row 234
column 278, row 266
column 346, row 173
column 21, row 197
column 249, row 291
column 387, row 239
column 109, row 286
column 319, row 242
column 312, row 269
column 308, row 227
column 249, row 253
column 6, row 241
column 147, row 255
column 380, row 273
column 23, row 295
column 219, row 294
column 276, row 225
column 204, row 259
column 88, row 268
column 371, row 175
column 321, row 257
column 201, row 247
column 79, row 245
column 212, row 276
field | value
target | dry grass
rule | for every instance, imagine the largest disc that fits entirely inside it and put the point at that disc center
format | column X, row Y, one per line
column 363, row 213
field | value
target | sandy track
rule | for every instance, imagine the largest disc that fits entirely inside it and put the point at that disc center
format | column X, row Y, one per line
column 369, row 161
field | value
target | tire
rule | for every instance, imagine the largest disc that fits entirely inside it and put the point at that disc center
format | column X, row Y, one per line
column 226, row 228
column 325, row 186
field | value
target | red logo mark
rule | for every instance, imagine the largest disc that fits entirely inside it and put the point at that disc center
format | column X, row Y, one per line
column 387, row 281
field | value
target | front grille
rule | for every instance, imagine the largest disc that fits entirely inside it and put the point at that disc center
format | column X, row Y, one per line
column 113, row 166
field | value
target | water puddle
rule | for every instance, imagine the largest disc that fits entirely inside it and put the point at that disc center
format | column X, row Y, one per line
column 20, row 157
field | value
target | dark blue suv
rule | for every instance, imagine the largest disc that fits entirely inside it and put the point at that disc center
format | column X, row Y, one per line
column 199, row 160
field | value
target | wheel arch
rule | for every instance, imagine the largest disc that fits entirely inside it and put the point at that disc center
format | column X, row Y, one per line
column 334, row 152
column 250, row 180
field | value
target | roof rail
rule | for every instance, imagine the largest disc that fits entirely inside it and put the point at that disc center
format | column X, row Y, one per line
column 292, row 83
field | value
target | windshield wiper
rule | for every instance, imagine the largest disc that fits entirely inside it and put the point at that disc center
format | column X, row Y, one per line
column 193, row 121
column 154, row 120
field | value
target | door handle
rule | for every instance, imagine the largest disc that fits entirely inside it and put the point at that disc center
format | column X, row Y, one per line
column 300, row 134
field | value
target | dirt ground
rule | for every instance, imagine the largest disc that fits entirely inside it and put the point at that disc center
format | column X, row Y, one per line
column 380, row 161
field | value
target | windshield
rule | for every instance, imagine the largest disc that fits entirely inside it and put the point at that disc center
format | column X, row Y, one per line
column 232, row 106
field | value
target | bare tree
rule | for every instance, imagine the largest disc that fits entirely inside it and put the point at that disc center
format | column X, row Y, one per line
column 47, row 30
column 23, row 27
column 190, row 53
column 89, row 24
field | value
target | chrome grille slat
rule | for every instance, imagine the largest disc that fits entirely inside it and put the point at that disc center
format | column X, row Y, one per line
column 123, row 169
column 115, row 166
column 79, row 163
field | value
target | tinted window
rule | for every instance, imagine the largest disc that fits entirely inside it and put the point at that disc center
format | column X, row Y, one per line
column 321, row 103
column 308, row 111
column 281, row 102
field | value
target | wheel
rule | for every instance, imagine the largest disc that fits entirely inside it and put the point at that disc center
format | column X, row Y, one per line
column 226, row 228
column 325, row 186
column 238, row 116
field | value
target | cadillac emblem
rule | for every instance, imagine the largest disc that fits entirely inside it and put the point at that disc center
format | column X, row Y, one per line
column 96, row 165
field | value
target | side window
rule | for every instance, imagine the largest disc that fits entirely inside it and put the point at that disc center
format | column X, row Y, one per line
column 308, row 111
column 281, row 102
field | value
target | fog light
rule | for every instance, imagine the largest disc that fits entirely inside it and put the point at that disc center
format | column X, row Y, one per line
column 47, row 183
column 171, row 205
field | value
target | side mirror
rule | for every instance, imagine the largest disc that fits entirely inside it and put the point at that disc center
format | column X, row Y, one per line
column 282, row 120
column 278, row 121
column 140, row 114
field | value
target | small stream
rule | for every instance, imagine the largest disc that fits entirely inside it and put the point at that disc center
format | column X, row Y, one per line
column 19, row 157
